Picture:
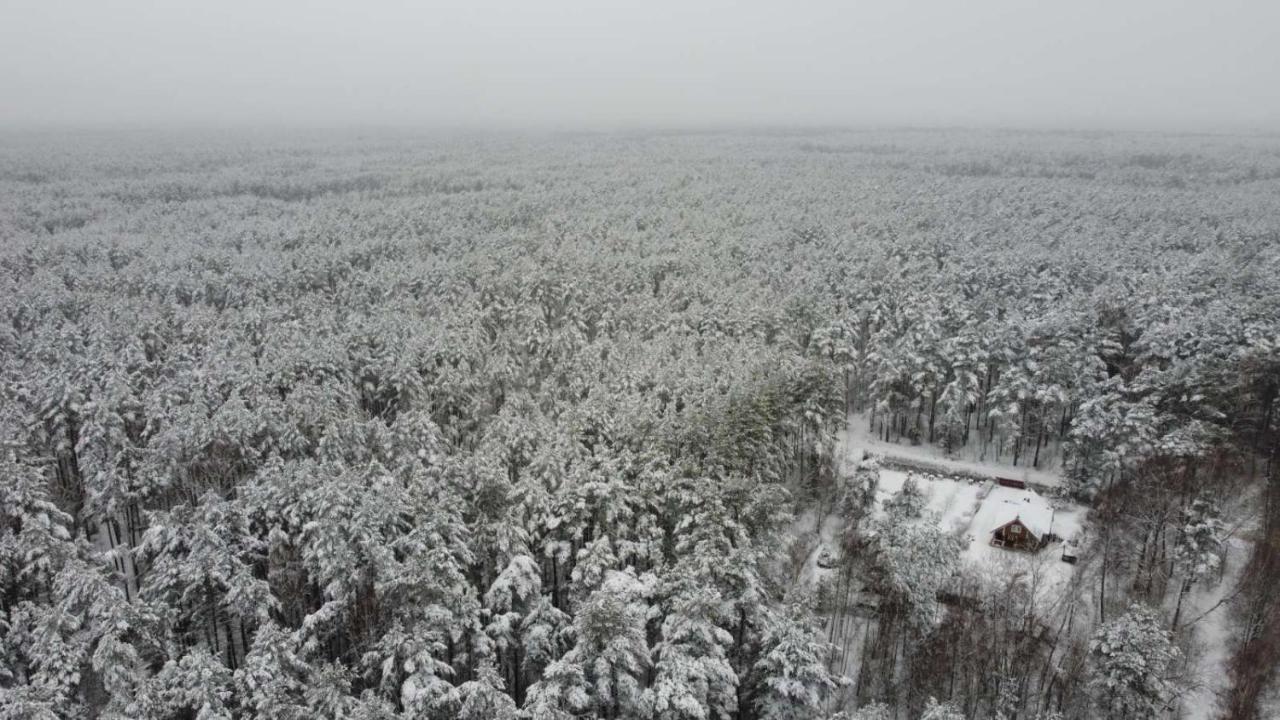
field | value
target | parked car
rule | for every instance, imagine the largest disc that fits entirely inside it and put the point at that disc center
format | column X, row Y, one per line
column 827, row 558
column 1070, row 551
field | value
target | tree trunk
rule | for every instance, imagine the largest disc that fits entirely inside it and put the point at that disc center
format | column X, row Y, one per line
column 1177, row 611
column 933, row 411
column 1035, row 462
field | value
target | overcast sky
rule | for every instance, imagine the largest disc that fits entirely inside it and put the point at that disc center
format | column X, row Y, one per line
column 1158, row 64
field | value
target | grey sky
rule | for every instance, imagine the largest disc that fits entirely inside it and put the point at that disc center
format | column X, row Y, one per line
column 1159, row 64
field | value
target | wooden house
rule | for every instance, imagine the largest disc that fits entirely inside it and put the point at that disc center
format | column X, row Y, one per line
column 1025, row 524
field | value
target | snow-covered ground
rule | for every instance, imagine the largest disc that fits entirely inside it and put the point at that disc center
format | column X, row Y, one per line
column 973, row 509
column 953, row 499
column 967, row 506
column 1209, row 620
column 825, row 531
column 859, row 437
column 1045, row 571
column 1206, row 613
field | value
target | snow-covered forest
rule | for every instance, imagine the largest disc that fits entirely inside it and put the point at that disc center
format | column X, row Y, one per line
column 496, row 426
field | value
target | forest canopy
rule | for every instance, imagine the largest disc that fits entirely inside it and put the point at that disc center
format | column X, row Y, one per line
column 498, row 426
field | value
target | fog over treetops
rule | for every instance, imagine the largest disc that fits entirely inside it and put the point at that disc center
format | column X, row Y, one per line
column 1139, row 64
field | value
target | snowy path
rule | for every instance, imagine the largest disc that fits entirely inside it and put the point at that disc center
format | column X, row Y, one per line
column 859, row 438
column 1209, row 618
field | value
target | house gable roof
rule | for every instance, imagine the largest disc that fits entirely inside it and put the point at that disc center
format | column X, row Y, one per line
column 1029, row 509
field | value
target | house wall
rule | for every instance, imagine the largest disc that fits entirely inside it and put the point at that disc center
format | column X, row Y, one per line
column 1016, row 535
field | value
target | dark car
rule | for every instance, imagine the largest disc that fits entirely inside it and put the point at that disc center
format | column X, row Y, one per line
column 827, row 558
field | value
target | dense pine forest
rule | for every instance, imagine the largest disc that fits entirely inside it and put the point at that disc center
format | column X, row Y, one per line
column 488, row 426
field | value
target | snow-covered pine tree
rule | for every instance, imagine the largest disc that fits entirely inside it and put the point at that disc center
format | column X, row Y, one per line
column 1198, row 547
column 908, row 503
column 935, row 710
column 1132, row 659
column 273, row 678
column 524, row 625
column 858, row 493
column 692, row 676
column 914, row 559
column 562, row 693
column 197, row 684
column 612, row 645
column 485, row 699
column 792, row 669
column 871, row 711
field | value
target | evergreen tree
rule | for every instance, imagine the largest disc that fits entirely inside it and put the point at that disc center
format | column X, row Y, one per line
column 914, row 560
column 611, row 645
column 792, row 669
column 935, row 710
column 693, row 678
column 1132, row 659
column 484, row 699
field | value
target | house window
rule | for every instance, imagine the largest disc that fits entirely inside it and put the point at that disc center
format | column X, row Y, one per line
column 1015, row 529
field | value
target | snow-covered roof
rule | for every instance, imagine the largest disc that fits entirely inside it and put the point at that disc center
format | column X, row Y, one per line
column 1033, row 511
